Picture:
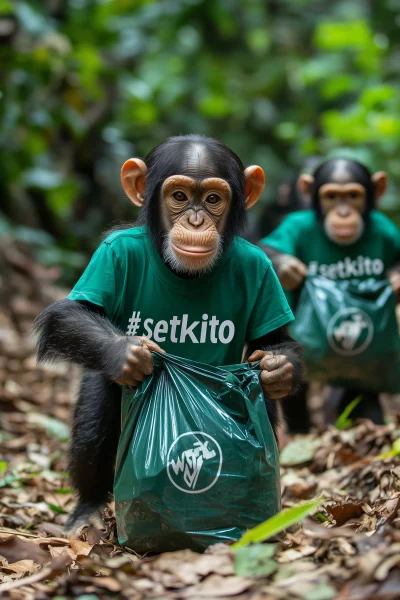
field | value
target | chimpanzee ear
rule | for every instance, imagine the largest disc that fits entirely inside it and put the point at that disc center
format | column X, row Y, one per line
column 255, row 182
column 380, row 182
column 304, row 184
column 133, row 174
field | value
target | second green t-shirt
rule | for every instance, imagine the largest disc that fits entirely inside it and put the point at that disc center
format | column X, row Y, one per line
column 300, row 235
column 208, row 319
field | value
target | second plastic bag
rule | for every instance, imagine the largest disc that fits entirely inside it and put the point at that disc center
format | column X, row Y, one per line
column 350, row 334
column 197, row 460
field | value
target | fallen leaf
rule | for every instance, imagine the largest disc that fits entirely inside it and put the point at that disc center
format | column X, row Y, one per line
column 108, row 583
column 15, row 549
column 297, row 452
column 218, row 586
column 80, row 548
column 21, row 566
column 346, row 511
column 255, row 560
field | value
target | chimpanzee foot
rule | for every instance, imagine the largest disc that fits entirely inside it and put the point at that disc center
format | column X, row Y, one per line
column 83, row 517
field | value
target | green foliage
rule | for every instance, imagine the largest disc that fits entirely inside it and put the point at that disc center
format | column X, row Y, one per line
column 394, row 451
column 255, row 560
column 286, row 518
column 88, row 83
column 343, row 420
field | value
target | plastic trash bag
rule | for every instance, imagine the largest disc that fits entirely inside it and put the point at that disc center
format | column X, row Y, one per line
column 197, row 460
column 350, row 334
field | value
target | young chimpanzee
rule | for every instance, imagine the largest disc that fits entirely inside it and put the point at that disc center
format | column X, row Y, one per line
column 341, row 238
column 183, row 279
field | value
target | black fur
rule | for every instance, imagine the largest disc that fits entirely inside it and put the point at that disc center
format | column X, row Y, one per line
column 295, row 410
column 96, row 428
column 71, row 331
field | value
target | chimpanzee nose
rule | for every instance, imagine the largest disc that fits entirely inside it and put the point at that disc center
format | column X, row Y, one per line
column 343, row 210
column 195, row 218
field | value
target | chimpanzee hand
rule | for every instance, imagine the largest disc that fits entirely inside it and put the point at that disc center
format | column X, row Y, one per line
column 276, row 373
column 394, row 278
column 291, row 272
column 138, row 361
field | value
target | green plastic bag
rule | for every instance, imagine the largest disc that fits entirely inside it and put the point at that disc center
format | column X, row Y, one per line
column 197, row 460
column 350, row 334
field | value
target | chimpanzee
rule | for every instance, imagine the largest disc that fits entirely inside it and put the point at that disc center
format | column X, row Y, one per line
column 342, row 237
column 181, row 278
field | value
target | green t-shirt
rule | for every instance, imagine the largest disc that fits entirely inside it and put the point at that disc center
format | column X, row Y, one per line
column 207, row 319
column 300, row 235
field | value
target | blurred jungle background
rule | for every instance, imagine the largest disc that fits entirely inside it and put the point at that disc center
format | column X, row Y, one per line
column 85, row 84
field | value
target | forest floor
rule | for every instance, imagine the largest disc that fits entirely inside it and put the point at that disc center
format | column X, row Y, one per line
column 348, row 550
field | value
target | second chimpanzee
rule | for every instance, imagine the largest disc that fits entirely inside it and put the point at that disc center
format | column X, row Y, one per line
column 182, row 279
column 342, row 238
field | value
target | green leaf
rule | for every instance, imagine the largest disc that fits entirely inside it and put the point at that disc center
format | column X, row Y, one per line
column 395, row 451
column 10, row 479
column 66, row 490
column 287, row 130
column 276, row 524
column 387, row 125
column 319, row 516
column 335, row 87
column 214, row 106
column 57, row 509
column 341, row 35
column 322, row 591
column 6, row 7
column 3, row 466
column 343, row 420
column 299, row 451
column 54, row 427
column 376, row 95
column 255, row 561
column 258, row 40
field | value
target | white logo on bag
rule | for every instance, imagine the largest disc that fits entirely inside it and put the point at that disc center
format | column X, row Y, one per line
column 350, row 331
column 185, row 460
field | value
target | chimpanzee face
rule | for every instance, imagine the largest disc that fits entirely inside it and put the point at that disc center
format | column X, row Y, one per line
column 343, row 194
column 193, row 203
column 195, row 214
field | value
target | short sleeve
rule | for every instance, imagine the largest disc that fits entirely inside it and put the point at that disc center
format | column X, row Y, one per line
column 271, row 309
column 99, row 282
column 284, row 237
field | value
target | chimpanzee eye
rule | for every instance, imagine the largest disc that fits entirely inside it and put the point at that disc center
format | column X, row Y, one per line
column 180, row 196
column 213, row 199
column 354, row 195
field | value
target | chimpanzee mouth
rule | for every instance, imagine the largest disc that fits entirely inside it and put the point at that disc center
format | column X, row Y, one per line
column 193, row 251
column 344, row 235
column 344, row 232
column 190, row 260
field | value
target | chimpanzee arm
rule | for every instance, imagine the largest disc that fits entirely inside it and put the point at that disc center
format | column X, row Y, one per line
column 277, row 258
column 80, row 333
column 280, row 342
